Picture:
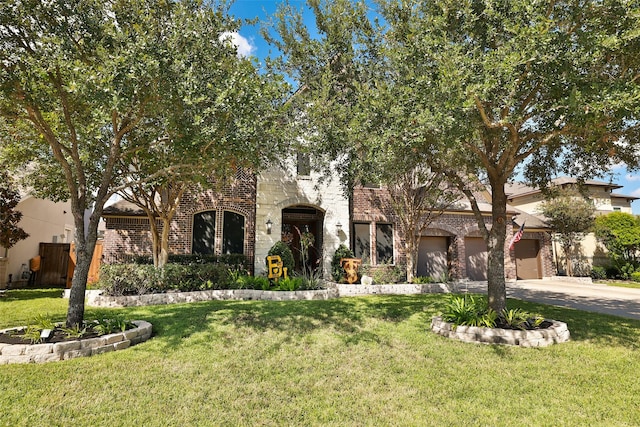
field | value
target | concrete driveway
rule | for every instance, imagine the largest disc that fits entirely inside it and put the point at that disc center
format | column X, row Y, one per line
column 623, row 302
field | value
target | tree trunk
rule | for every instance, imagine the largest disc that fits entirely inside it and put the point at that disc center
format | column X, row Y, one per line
column 496, row 285
column 163, row 256
column 411, row 249
column 84, row 254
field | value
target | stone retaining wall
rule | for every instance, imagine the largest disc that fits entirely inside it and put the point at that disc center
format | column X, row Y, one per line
column 556, row 333
column 48, row 352
column 95, row 299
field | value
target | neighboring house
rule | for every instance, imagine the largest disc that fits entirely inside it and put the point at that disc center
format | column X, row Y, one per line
column 605, row 199
column 254, row 212
column 46, row 222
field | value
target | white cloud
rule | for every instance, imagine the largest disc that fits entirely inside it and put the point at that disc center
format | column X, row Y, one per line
column 632, row 178
column 245, row 46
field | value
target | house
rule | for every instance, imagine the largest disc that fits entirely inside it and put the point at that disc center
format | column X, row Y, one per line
column 46, row 222
column 252, row 212
column 605, row 198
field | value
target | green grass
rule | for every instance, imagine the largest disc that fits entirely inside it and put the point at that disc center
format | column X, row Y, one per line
column 367, row 361
column 621, row 283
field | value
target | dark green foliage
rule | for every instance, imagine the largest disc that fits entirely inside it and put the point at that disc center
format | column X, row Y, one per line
column 10, row 232
column 598, row 272
column 337, row 272
column 282, row 249
column 135, row 279
column 467, row 310
column 232, row 260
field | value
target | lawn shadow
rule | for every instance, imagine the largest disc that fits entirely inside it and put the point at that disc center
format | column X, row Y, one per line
column 348, row 317
column 12, row 295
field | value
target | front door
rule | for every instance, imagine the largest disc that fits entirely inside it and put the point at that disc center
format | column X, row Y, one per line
column 302, row 229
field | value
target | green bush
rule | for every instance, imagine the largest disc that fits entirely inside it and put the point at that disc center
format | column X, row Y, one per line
column 137, row 279
column 232, row 260
column 421, row 280
column 337, row 272
column 635, row 276
column 282, row 249
column 598, row 273
column 386, row 274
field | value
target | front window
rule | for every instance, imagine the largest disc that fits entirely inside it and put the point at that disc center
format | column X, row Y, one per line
column 303, row 164
column 204, row 233
column 233, row 233
column 384, row 243
column 362, row 241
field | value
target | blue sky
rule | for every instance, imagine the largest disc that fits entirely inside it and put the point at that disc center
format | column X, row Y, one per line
column 252, row 43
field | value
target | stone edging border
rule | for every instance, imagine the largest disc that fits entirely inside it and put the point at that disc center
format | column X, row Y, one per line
column 558, row 332
column 49, row 352
column 95, row 299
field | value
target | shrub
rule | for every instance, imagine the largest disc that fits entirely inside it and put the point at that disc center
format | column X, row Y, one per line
column 282, row 249
column 132, row 279
column 420, row 280
column 635, row 276
column 598, row 273
column 337, row 272
column 386, row 274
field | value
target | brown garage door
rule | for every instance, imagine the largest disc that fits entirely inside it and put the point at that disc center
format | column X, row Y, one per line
column 527, row 253
column 432, row 256
column 477, row 256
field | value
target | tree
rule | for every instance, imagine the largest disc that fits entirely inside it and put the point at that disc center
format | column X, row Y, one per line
column 86, row 85
column 570, row 216
column 490, row 88
column 10, row 232
column 620, row 234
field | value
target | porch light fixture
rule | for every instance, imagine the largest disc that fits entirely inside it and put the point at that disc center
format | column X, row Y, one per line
column 338, row 227
column 269, row 224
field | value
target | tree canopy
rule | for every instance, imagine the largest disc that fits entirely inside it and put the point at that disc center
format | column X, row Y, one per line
column 478, row 89
column 86, row 86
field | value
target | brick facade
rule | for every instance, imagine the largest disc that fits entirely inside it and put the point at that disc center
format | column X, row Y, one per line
column 272, row 194
column 371, row 205
column 126, row 236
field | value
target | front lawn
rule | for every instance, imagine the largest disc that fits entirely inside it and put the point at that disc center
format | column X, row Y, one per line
column 350, row 361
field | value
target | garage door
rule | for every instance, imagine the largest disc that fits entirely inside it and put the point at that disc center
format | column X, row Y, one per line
column 476, row 250
column 527, row 253
column 432, row 256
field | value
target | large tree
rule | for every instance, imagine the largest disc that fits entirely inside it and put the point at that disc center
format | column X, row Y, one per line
column 82, row 81
column 490, row 88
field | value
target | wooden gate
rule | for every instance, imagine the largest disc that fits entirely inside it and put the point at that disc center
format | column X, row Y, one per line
column 54, row 264
column 94, row 269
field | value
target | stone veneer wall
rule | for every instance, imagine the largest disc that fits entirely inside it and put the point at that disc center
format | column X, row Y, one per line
column 281, row 188
column 558, row 332
column 49, row 352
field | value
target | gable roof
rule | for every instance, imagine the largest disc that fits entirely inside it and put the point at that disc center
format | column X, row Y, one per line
column 518, row 189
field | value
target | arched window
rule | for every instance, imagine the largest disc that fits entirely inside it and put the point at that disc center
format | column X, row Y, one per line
column 204, row 233
column 233, row 233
